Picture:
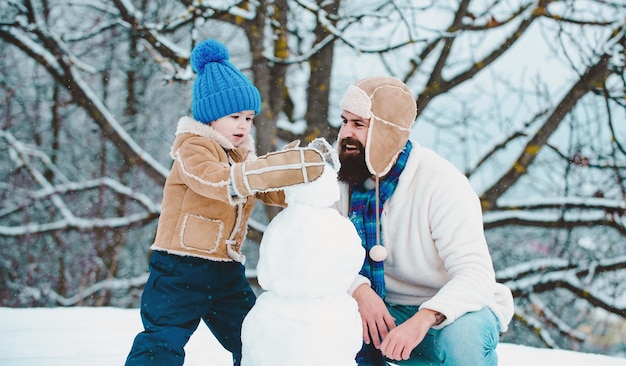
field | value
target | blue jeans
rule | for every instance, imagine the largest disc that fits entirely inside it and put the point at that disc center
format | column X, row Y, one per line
column 471, row 340
column 182, row 290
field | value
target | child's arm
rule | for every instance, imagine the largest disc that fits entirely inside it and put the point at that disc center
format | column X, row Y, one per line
column 276, row 171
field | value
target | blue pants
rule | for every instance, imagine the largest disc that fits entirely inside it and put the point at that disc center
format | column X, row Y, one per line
column 182, row 290
column 471, row 340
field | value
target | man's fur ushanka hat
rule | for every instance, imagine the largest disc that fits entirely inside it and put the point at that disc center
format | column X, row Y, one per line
column 391, row 109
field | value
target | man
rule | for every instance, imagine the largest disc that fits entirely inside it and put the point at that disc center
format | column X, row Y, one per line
column 426, row 293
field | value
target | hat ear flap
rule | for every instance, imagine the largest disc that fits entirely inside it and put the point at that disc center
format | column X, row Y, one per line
column 393, row 112
column 384, row 143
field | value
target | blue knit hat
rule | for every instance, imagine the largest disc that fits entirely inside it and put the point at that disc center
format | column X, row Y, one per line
column 220, row 88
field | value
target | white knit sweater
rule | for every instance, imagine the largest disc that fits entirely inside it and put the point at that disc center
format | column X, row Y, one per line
column 437, row 253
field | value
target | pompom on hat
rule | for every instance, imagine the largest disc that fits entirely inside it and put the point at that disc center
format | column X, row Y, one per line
column 220, row 88
column 391, row 109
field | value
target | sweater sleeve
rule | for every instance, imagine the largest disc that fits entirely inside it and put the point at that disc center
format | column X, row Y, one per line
column 455, row 218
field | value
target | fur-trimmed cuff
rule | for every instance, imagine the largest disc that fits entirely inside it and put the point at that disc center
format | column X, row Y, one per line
column 238, row 184
column 358, row 281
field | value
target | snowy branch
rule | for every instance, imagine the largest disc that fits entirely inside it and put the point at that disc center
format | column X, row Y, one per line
column 62, row 66
column 132, row 18
column 47, row 295
column 554, row 219
column 21, row 154
column 596, row 74
column 550, row 317
column 537, row 326
column 549, row 274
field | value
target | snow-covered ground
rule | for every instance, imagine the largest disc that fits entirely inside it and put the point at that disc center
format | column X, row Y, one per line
column 102, row 336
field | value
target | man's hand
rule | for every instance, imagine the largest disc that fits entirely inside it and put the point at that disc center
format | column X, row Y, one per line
column 377, row 321
column 399, row 343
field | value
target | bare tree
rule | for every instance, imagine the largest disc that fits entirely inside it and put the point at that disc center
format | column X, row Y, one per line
column 91, row 92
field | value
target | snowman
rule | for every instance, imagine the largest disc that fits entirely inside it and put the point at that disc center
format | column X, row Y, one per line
column 309, row 257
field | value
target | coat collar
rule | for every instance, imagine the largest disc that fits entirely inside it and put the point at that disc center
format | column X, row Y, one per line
column 189, row 125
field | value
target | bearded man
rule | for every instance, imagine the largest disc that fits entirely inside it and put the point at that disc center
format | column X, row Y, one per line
column 426, row 293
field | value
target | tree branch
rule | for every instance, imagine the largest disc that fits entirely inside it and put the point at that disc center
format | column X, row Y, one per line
column 523, row 282
column 594, row 76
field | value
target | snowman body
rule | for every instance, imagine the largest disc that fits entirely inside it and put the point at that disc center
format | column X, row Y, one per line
column 309, row 257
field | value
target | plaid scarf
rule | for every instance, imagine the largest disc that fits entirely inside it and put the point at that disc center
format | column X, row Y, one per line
column 363, row 215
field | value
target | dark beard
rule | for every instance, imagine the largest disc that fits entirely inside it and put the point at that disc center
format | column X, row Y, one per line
column 353, row 168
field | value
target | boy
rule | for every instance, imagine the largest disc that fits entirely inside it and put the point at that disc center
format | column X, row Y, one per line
column 196, row 268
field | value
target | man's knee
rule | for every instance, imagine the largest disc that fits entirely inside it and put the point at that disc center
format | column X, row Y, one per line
column 471, row 339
